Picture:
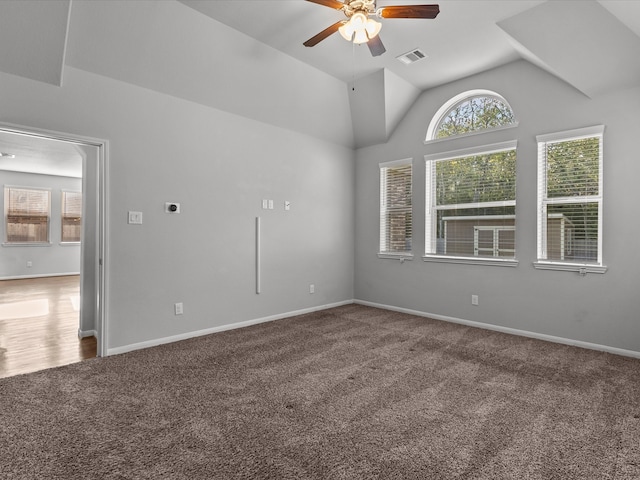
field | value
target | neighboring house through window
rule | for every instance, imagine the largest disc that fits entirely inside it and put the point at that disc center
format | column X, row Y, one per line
column 570, row 200
column 396, row 215
column 27, row 215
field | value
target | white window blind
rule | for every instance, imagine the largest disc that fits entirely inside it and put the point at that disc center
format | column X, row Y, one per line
column 71, row 216
column 570, row 196
column 27, row 213
column 396, row 221
column 471, row 202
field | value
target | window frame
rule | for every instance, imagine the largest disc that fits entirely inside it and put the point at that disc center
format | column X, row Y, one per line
column 431, row 218
column 63, row 194
column 452, row 103
column 401, row 255
column 542, row 263
column 6, row 242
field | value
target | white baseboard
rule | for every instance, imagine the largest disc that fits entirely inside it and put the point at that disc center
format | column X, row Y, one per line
column 87, row 333
column 470, row 323
column 42, row 275
column 512, row 331
column 222, row 328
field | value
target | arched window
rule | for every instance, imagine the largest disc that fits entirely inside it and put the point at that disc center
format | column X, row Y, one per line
column 469, row 112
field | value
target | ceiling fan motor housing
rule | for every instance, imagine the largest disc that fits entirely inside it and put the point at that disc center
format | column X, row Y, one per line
column 368, row 7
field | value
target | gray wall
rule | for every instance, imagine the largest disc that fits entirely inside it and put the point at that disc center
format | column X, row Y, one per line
column 598, row 309
column 219, row 166
column 53, row 259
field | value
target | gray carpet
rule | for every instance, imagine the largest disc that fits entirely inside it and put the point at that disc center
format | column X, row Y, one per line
column 347, row 393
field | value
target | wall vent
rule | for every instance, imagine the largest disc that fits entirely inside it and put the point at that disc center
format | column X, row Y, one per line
column 412, row 56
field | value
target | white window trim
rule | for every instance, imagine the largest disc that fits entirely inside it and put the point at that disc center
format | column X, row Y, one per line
column 468, row 152
column 430, row 222
column 542, row 263
column 396, row 163
column 31, row 244
column 488, row 261
column 452, row 103
column 5, row 243
column 580, row 268
column 402, row 256
column 471, row 134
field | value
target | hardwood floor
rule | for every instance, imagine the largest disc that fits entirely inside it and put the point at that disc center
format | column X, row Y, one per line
column 39, row 325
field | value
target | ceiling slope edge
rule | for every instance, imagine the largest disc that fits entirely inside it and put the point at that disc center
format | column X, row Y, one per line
column 400, row 96
column 599, row 52
column 379, row 101
column 206, row 62
column 37, row 34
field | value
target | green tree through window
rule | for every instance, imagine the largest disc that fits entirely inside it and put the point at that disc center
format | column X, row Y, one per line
column 472, row 114
column 570, row 197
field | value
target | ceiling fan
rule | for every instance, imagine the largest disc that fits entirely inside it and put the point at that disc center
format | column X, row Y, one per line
column 359, row 28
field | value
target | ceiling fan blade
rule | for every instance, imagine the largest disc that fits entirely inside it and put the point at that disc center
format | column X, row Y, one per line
column 375, row 46
column 329, row 3
column 410, row 11
column 323, row 34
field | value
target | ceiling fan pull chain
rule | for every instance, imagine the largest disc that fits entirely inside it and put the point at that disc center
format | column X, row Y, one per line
column 353, row 65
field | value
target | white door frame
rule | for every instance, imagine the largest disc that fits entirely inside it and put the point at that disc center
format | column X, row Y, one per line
column 101, row 220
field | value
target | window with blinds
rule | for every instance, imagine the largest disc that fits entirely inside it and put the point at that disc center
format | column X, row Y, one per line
column 570, row 196
column 471, row 203
column 396, row 221
column 71, row 216
column 27, row 215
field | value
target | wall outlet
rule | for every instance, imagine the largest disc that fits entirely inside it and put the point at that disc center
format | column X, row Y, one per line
column 474, row 300
column 29, row 264
column 178, row 308
column 312, row 288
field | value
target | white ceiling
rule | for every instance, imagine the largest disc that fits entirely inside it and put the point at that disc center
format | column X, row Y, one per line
column 206, row 51
column 462, row 40
column 286, row 24
column 35, row 154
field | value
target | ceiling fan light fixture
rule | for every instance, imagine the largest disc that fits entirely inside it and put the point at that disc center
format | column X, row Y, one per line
column 347, row 31
column 359, row 28
column 360, row 37
column 373, row 28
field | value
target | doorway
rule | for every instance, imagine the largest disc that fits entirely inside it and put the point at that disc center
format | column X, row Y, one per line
column 52, row 153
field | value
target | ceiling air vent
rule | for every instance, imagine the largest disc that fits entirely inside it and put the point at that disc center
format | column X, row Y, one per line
column 412, row 56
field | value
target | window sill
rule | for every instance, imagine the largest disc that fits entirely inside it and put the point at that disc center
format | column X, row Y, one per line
column 69, row 244
column 582, row 269
column 396, row 256
column 494, row 262
column 26, row 244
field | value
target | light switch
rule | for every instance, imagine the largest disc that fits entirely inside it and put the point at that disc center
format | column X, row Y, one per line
column 135, row 218
column 270, row 204
column 287, row 205
column 265, row 204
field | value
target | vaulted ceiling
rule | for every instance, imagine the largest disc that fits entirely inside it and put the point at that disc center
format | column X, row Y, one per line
column 246, row 56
